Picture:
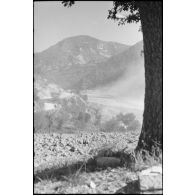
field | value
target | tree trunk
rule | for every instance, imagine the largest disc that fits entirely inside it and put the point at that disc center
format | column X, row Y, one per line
column 151, row 20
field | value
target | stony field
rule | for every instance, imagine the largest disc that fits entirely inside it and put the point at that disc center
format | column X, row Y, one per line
column 66, row 163
column 57, row 148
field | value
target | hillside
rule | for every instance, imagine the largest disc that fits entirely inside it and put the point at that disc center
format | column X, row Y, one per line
column 69, row 56
column 81, row 49
column 113, row 84
column 83, row 62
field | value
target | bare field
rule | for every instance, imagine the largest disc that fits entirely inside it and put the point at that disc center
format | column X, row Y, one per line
column 55, row 147
column 65, row 163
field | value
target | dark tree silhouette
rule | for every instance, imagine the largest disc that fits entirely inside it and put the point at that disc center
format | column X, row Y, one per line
column 150, row 15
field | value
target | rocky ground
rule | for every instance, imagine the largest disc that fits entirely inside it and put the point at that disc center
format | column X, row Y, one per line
column 67, row 163
column 74, row 147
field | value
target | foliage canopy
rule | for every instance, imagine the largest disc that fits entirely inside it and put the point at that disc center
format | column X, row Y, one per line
column 132, row 7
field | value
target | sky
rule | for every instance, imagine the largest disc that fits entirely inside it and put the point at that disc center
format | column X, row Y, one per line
column 54, row 22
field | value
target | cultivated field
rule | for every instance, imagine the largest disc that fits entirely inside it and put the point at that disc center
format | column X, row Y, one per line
column 71, row 163
column 73, row 147
column 66, row 163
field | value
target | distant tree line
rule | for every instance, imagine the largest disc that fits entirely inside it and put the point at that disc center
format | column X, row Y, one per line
column 77, row 115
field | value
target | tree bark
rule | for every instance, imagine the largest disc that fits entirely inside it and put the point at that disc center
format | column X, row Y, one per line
column 151, row 21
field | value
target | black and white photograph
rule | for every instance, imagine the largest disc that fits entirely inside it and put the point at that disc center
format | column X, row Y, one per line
column 98, row 97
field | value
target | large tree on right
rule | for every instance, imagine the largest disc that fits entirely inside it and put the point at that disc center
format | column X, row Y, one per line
column 151, row 20
column 150, row 15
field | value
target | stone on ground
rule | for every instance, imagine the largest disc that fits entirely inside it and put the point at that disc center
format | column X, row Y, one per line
column 107, row 162
column 91, row 184
column 151, row 179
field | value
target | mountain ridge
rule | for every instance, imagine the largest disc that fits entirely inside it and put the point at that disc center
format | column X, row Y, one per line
column 79, row 36
column 77, row 50
column 84, row 62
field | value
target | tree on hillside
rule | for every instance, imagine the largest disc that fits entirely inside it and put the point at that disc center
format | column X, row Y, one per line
column 150, row 15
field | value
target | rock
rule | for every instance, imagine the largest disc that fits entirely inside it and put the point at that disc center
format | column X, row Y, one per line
column 92, row 185
column 150, row 179
column 107, row 162
column 130, row 176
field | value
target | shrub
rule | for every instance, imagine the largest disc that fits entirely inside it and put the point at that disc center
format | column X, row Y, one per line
column 127, row 119
column 134, row 125
column 75, row 114
column 122, row 122
column 111, row 125
column 41, row 122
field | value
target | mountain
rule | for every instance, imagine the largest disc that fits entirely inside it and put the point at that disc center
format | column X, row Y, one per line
column 84, row 62
column 117, row 66
column 110, row 74
column 126, row 71
column 78, row 50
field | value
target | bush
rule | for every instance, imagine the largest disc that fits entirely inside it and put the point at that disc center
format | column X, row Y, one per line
column 122, row 122
column 127, row 119
column 110, row 126
column 134, row 125
column 41, row 122
column 75, row 114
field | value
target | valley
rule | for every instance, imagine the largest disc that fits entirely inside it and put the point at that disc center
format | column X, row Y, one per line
column 109, row 74
column 111, row 105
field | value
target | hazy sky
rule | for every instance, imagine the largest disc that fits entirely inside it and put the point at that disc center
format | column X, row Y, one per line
column 53, row 22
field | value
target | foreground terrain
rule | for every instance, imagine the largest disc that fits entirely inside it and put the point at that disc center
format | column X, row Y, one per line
column 69, row 163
